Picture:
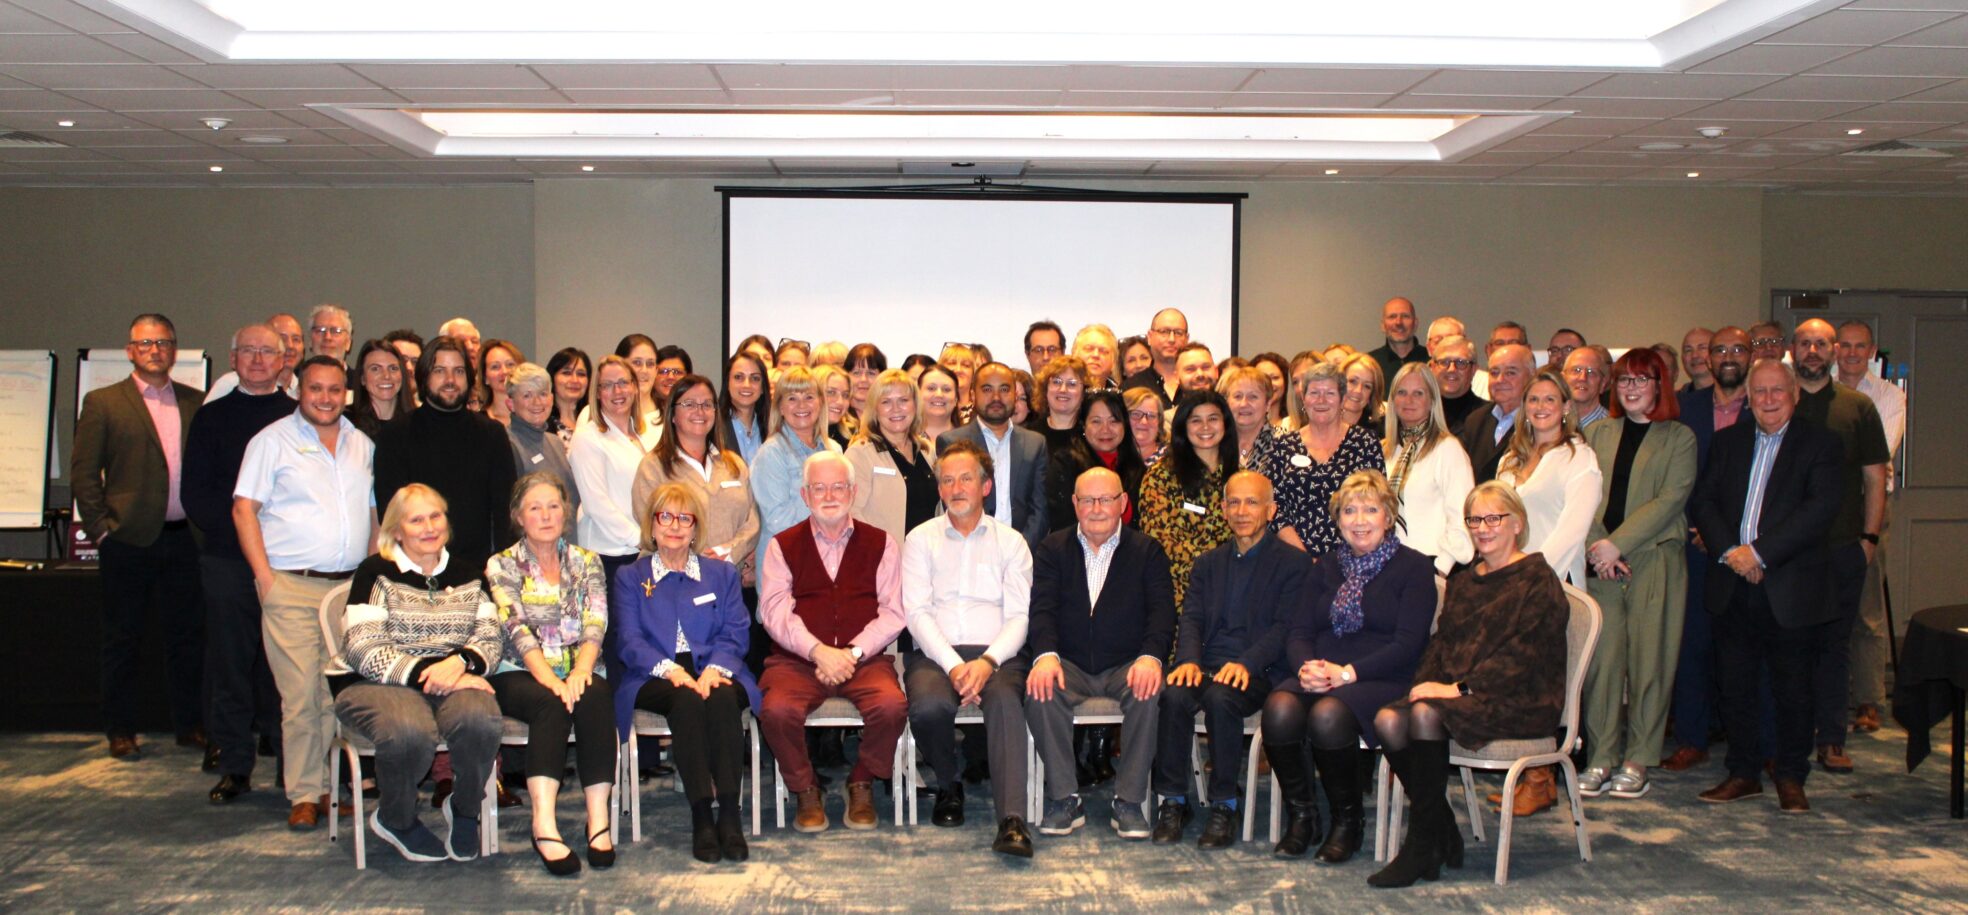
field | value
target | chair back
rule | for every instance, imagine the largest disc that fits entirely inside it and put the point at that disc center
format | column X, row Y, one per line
column 1581, row 639
column 334, row 607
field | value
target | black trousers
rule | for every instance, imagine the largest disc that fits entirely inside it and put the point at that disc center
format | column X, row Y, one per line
column 240, row 695
column 548, row 721
column 1224, row 709
column 706, row 735
column 1832, row 671
column 1749, row 642
column 164, row 576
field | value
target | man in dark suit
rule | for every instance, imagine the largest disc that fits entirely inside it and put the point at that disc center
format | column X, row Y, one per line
column 1761, row 506
column 1018, row 456
column 1486, row 433
column 1102, row 619
column 125, row 472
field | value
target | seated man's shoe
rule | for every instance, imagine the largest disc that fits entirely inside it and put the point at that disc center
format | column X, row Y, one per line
column 229, row 788
column 1221, row 829
column 1684, row 759
column 949, row 809
column 977, row 773
column 1832, row 757
column 1733, row 789
column 1128, row 822
column 1867, row 719
column 1063, row 816
column 860, row 806
column 1171, row 818
column 812, row 815
column 1013, row 839
column 303, row 815
column 462, row 842
column 1790, row 797
column 124, row 748
column 211, row 761
column 417, row 843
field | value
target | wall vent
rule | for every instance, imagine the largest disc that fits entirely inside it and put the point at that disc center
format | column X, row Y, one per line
column 19, row 139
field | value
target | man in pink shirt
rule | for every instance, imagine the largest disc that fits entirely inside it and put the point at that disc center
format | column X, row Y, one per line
column 830, row 596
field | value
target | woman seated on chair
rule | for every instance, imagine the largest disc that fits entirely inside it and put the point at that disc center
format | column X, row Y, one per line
column 422, row 634
column 553, row 605
column 682, row 633
column 1355, row 639
column 1494, row 670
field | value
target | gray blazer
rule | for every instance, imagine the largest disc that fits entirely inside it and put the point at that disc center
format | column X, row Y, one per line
column 117, row 473
column 1028, row 475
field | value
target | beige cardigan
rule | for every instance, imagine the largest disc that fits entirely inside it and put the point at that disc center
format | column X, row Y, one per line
column 881, row 496
column 733, row 526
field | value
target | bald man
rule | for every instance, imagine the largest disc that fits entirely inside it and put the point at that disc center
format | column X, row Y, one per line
column 1484, row 433
column 1168, row 334
column 1397, row 324
column 1694, row 359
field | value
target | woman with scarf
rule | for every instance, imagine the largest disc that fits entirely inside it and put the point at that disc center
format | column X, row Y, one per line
column 1428, row 469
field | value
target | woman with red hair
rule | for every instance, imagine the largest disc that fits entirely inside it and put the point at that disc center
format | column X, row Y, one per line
column 1638, row 572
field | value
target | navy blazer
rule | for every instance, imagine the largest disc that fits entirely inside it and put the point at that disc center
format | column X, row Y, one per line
column 1273, row 592
column 644, row 620
column 1136, row 613
column 1698, row 414
column 1397, row 608
column 1799, row 502
column 1478, row 437
column 1028, row 478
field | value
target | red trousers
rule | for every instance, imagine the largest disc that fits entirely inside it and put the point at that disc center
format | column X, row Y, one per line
column 793, row 690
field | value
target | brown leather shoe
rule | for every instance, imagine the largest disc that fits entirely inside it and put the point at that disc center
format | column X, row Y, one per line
column 1867, row 719
column 304, row 815
column 812, row 815
column 860, row 806
column 1537, row 791
column 1733, row 789
column 124, row 748
column 1790, row 797
column 1684, row 759
column 1832, row 757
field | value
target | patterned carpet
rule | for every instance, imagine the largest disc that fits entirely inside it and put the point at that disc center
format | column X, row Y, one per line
column 82, row 832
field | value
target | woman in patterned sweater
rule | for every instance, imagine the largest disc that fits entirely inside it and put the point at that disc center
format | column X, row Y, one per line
column 422, row 635
column 553, row 605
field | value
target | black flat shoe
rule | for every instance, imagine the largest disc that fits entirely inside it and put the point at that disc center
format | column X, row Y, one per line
column 211, row 761
column 229, row 788
column 564, row 866
column 949, row 810
column 600, row 858
column 731, row 838
column 1013, row 839
column 1221, row 829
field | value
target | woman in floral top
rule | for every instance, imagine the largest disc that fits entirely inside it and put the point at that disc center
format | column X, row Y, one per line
column 1182, row 495
column 553, row 605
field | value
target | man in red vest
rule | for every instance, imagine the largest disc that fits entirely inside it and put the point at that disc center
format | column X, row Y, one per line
column 830, row 595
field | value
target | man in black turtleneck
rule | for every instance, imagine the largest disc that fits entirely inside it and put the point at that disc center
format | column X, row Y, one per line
column 461, row 454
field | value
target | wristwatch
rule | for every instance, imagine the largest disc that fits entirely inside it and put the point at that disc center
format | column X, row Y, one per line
column 1346, row 675
column 1870, row 538
column 1462, row 688
column 855, row 651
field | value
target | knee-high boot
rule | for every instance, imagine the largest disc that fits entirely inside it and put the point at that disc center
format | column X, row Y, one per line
column 1424, row 768
column 1302, row 822
column 1339, row 773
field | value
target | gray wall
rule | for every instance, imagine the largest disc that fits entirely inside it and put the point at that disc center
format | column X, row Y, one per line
column 1865, row 242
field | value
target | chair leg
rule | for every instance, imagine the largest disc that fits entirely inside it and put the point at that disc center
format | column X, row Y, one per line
column 1508, row 819
column 1250, row 787
column 1382, row 775
column 358, row 822
column 779, row 795
column 1397, row 810
column 1034, row 780
column 1469, row 801
column 632, row 761
column 898, row 782
column 751, row 727
column 1578, row 808
column 334, row 793
column 1277, row 808
column 488, row 814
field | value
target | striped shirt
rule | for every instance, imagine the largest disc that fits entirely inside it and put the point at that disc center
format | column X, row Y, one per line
column 1767, row 445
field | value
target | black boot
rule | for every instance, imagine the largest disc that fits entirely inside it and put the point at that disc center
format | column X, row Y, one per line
column 731, row 829
column 1295, row 785
column 1339, row 772
column 703, row 832
column 1426, row 764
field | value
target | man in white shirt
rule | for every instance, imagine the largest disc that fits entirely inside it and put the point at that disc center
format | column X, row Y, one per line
column 305, row 512
column 966, row 590
column 1854, row 354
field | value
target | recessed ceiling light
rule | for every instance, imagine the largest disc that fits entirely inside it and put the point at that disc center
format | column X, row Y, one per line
column 260, row 140
column 1662, row 147
column 64, row 123
column 1694, row 174
column 587, row 168
column 218, row 168
column 1332, row 171
column 1855, row 131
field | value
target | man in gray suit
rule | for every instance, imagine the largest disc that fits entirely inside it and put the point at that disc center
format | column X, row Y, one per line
column 1018, row 456
column 128, row 460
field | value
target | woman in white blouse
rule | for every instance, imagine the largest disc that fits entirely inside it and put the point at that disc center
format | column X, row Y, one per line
column 1428, row 469
column 1556, row 474
column 607, row 449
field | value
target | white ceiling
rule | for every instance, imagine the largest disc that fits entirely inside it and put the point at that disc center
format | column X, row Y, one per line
column 1897, row 69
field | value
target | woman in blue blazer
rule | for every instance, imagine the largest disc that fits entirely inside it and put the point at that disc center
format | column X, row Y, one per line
column 682, row 631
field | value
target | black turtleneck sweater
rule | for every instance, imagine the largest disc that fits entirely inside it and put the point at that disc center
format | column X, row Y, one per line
column 466, row 458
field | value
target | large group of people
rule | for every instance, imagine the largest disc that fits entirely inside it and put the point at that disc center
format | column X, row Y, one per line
column 1364, row 549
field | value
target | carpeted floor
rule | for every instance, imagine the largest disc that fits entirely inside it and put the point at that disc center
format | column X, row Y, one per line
column 82, row 832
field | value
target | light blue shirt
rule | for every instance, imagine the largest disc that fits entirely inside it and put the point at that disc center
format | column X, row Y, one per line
column 776, row 484
column 1767, row 444
column 748, row 439
column 999, row 447
column 314, row 506
column 1505, row 420
column 1591, row 416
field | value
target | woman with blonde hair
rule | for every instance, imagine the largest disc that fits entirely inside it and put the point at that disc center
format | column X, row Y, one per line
column 1365, row 395
column 1248, row 392
column 1307, row 465
column 1096, row 346
column 1145, row 426
column 606, row 451
column 1427, row 468
column 1062, row 385
column 836, row 388
column 894, row 463
column 1556, row 474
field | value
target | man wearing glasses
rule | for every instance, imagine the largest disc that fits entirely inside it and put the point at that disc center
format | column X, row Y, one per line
column 1044, row 342
column 830, row 596
column 1453, row 360
column 292, row 340
column 125, row 474
column 1588, row 370
column 1168, row 333
column 330, row 331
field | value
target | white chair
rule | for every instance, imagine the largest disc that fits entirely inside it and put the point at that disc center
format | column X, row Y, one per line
column 838, row 712
column 518, row 734
column 1251, row 753
column 1097, row 710
column 966, row 715
column 650, row 724
column 1514, row 756
column 354, row 746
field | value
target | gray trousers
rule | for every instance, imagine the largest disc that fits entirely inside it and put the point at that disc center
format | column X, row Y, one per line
column 406, row 726
column 1052, row 730
column 1869, row 648
column 933, row 704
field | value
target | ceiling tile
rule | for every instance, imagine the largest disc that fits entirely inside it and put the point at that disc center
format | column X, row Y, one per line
column 1857, row 27
column 1602, row 157
column 295, row 98
column 1035, row 98
column 628, row 76
column 1506, row 157
column 1674, row 85
column 1347, row 170
column 60, row 49
column 450, row 76
column 984, row 78
column 71, row 14
column 1507, row 82
column 1623, row 107
column 159, row 99
column 1172, row 101
column 1535, row 143
column 1320, row 79
column 484, row 96
column 104, row 139
column 1464, row 102
column 17, row 21
column 805, row 76
column 1687, row 128
column 1578, row 171
column 1951, row 34
column 206, row 154
column 1958, row 132
column 1931, row 112
column 1835, row 130
column 276, row 76
column 1724, row 112
column 1305, row 101
column 36, row 100
column 1775, row 58
column 47, row 123
column 342, row 167
column 1575, row 126
column 848, row 97
column 647, row 96
column 1158, row 79
column 1845, row 88
column 149, row 49
column 1956, row 91
column 1900, row 62
column 98, row 76
column 55, row 154
column 1455, row 170
column 188, row 121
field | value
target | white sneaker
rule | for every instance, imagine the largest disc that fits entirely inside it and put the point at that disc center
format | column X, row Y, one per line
column 1630, row 781
column 1592, row 782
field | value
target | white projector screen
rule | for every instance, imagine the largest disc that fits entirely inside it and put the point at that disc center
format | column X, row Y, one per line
column 909, row 273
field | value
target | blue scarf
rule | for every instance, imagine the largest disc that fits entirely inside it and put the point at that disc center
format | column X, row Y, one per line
column 1347, row 615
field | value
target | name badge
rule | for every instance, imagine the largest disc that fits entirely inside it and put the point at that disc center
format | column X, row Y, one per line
column 538, row 458
column 1301, row 461
column 886, row 471
column 731, row 484
column 703, row 599
column 1193, row 507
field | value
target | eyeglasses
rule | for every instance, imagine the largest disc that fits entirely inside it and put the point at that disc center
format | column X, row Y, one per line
column 330, row 331
column 1767, row 341
column 839, row 489
column 1459, row 365
column 675, row 519
column 1169, row 332
column 1107, row 501
column 1733, row 350
column 1142, row 416
column 1065, row 383
column 1634, row 382
column 617, row 385
column 1582, row 371
column 1474, row 522
column 1049, row 352
column 154, row 344
column 785, row 340
column 670, row 372
column 696, row 405
column 264, row 352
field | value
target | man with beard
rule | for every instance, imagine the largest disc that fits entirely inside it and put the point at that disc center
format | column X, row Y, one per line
column 1694, row 359
column 1854, row 532
column 1397, row 323
column 461, row 454
column 1706, row 412
column 1018, row 456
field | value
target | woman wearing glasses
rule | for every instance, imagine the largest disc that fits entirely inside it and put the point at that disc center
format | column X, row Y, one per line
column 1638, row 572
column 607, row 449
column 729, row 526
column 683, row 635
column 1144, row 419
column 1308, row 464
column 1063, row 383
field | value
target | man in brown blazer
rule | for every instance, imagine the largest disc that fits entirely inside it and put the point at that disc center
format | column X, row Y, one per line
column 128, row 458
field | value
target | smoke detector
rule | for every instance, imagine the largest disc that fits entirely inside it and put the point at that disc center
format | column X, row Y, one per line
column 215, row 123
